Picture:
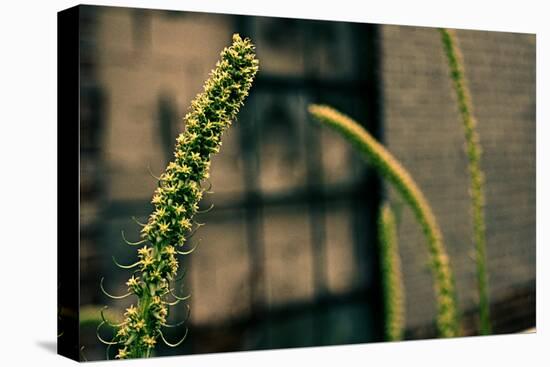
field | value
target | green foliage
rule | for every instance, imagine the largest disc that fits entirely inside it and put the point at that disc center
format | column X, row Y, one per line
column 176, row 202
column 392, row 281
column 473, row 149
column 393, row 171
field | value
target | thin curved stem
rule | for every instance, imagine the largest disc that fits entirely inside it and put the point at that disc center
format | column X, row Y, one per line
column 107, row 321
column 108, row 352
column 191, row 250
column 209, row 187
column 179, row 298
column 138, row 222
column 110, row 295
column 131, row 266
column 82, row 355
column 152, row 174
column 174, row 302
column 131, row 243
column 99, row 336
column 175, row 344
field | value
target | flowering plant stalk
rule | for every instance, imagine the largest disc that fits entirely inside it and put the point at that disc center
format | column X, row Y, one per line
column 473, row 149
column 176, row 202
column 390, row 168
column 392, row 281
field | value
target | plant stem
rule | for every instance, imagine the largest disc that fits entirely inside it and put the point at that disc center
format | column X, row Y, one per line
column 393, row 171
column 392, row 281
column 473, row 148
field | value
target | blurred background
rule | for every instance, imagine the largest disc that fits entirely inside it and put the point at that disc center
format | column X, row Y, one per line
column 288, row 256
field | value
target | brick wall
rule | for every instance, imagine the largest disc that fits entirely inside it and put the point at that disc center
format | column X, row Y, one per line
column 422, row 128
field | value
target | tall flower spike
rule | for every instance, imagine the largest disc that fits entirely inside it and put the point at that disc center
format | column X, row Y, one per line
column 392, row 280
column 390, row 168
column 473, row 149
column 176, row 199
